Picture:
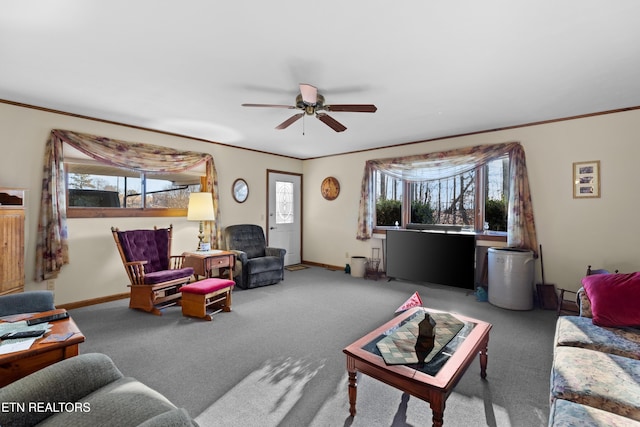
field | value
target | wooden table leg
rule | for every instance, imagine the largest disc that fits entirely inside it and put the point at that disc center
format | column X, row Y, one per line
column 353, row 386
column 437, row 408
column 483, row 358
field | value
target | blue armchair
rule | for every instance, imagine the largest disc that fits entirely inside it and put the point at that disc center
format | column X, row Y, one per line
column 93, row 383
column 256, row 264
column 26, row 302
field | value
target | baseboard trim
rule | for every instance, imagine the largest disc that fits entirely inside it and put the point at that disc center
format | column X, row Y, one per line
column 100, row 300
column 93, row 301
column 327, row 266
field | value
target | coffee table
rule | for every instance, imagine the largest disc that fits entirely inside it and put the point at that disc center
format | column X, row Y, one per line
column 14, row 366
column 433, row 381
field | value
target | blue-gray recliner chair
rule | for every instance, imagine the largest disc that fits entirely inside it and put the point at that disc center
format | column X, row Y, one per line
column 26, row 302
column 256, row 264
column 97, row 393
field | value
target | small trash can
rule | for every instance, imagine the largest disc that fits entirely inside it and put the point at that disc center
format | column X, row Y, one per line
column 511, row 276
column 358, row 265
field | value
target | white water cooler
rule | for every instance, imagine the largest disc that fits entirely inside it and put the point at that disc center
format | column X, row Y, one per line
column 511, row 277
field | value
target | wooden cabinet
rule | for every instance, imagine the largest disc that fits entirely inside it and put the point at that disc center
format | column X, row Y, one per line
column 11, row 240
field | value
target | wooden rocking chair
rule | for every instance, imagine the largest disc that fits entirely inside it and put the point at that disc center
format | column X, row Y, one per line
column 155, row 275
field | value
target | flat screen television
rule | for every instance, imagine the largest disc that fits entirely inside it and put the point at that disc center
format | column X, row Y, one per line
column 446, row 258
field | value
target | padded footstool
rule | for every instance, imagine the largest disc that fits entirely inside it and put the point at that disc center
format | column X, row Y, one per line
column 198, row 296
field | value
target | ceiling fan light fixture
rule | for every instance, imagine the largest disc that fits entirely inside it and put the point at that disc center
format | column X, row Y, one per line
column 310, row 102
column 309, row 94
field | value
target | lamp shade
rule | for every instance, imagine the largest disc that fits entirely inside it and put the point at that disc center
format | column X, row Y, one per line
column 200, row 207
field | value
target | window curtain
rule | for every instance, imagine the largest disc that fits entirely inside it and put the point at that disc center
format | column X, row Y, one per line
column 52, row 245
column 521, row 231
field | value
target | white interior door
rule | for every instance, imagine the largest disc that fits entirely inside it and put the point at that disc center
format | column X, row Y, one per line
column 284, row 221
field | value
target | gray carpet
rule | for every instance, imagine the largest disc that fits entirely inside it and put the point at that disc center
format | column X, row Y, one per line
column 276, row 359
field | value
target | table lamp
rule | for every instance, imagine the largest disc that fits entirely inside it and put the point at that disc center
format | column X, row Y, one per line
column 200, row 209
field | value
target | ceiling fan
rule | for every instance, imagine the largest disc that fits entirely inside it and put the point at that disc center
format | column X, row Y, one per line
column 311, row 102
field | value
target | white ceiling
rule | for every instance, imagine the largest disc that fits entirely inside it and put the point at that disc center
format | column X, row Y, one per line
column 433, row 68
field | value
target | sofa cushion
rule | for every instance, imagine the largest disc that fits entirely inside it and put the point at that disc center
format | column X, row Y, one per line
column 125, row 402
column 66, row 381
column 264, row 279
column 175, row 418
column 166, row 275
column 267, row 263
column 573, row 331
column 615, row 298
column 570, row 414
column 600, row 380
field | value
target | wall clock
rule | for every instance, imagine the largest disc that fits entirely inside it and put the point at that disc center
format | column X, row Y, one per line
column 240, row 190
column 330, row 188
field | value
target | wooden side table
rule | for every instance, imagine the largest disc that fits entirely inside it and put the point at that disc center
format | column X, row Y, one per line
column 204, row 262
column 14, row 366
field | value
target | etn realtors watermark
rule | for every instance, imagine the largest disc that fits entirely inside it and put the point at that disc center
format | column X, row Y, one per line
column 47, row 407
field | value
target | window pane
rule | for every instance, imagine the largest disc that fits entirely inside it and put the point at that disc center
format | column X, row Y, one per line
column 162, row 193
column 284, row 202
column 497, row 194
column 98, row 186
column 388, row 199
column 93, row 198
column 422, row 203
column 444, row 201
column 88, row 190
column 131, row 190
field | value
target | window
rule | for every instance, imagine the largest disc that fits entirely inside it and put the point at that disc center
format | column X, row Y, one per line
column 389, row 192
column 95, row 189
column 467, row 199
column 496, row 194
column 284, row 202
column 64, row 148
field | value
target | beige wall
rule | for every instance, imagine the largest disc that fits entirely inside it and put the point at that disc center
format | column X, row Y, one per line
column 573, row 233
column 95, row 269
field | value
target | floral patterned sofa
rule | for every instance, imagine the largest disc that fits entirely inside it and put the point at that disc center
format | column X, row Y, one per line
column 595, row 378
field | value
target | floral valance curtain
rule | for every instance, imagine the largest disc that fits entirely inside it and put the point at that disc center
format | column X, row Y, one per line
column 521, row 231
column 52, row 247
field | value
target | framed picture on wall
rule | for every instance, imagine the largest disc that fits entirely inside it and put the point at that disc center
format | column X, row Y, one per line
column 586, row 179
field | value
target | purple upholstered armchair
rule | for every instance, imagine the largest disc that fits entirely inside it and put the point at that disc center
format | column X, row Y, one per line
column 155, row 275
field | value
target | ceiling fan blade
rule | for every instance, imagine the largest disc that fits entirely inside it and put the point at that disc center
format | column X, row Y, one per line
column 309, row 94
column 331, row 122
column 355, row 108
column 289, row 121
column 291, row 107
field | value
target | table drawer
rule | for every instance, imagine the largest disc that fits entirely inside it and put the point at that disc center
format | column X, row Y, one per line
column 12, row 371
column 218, row 262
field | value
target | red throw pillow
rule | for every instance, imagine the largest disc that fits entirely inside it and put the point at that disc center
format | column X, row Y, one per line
column 615, row 299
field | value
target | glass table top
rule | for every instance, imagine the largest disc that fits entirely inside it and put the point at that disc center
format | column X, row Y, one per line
column 438, row 361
